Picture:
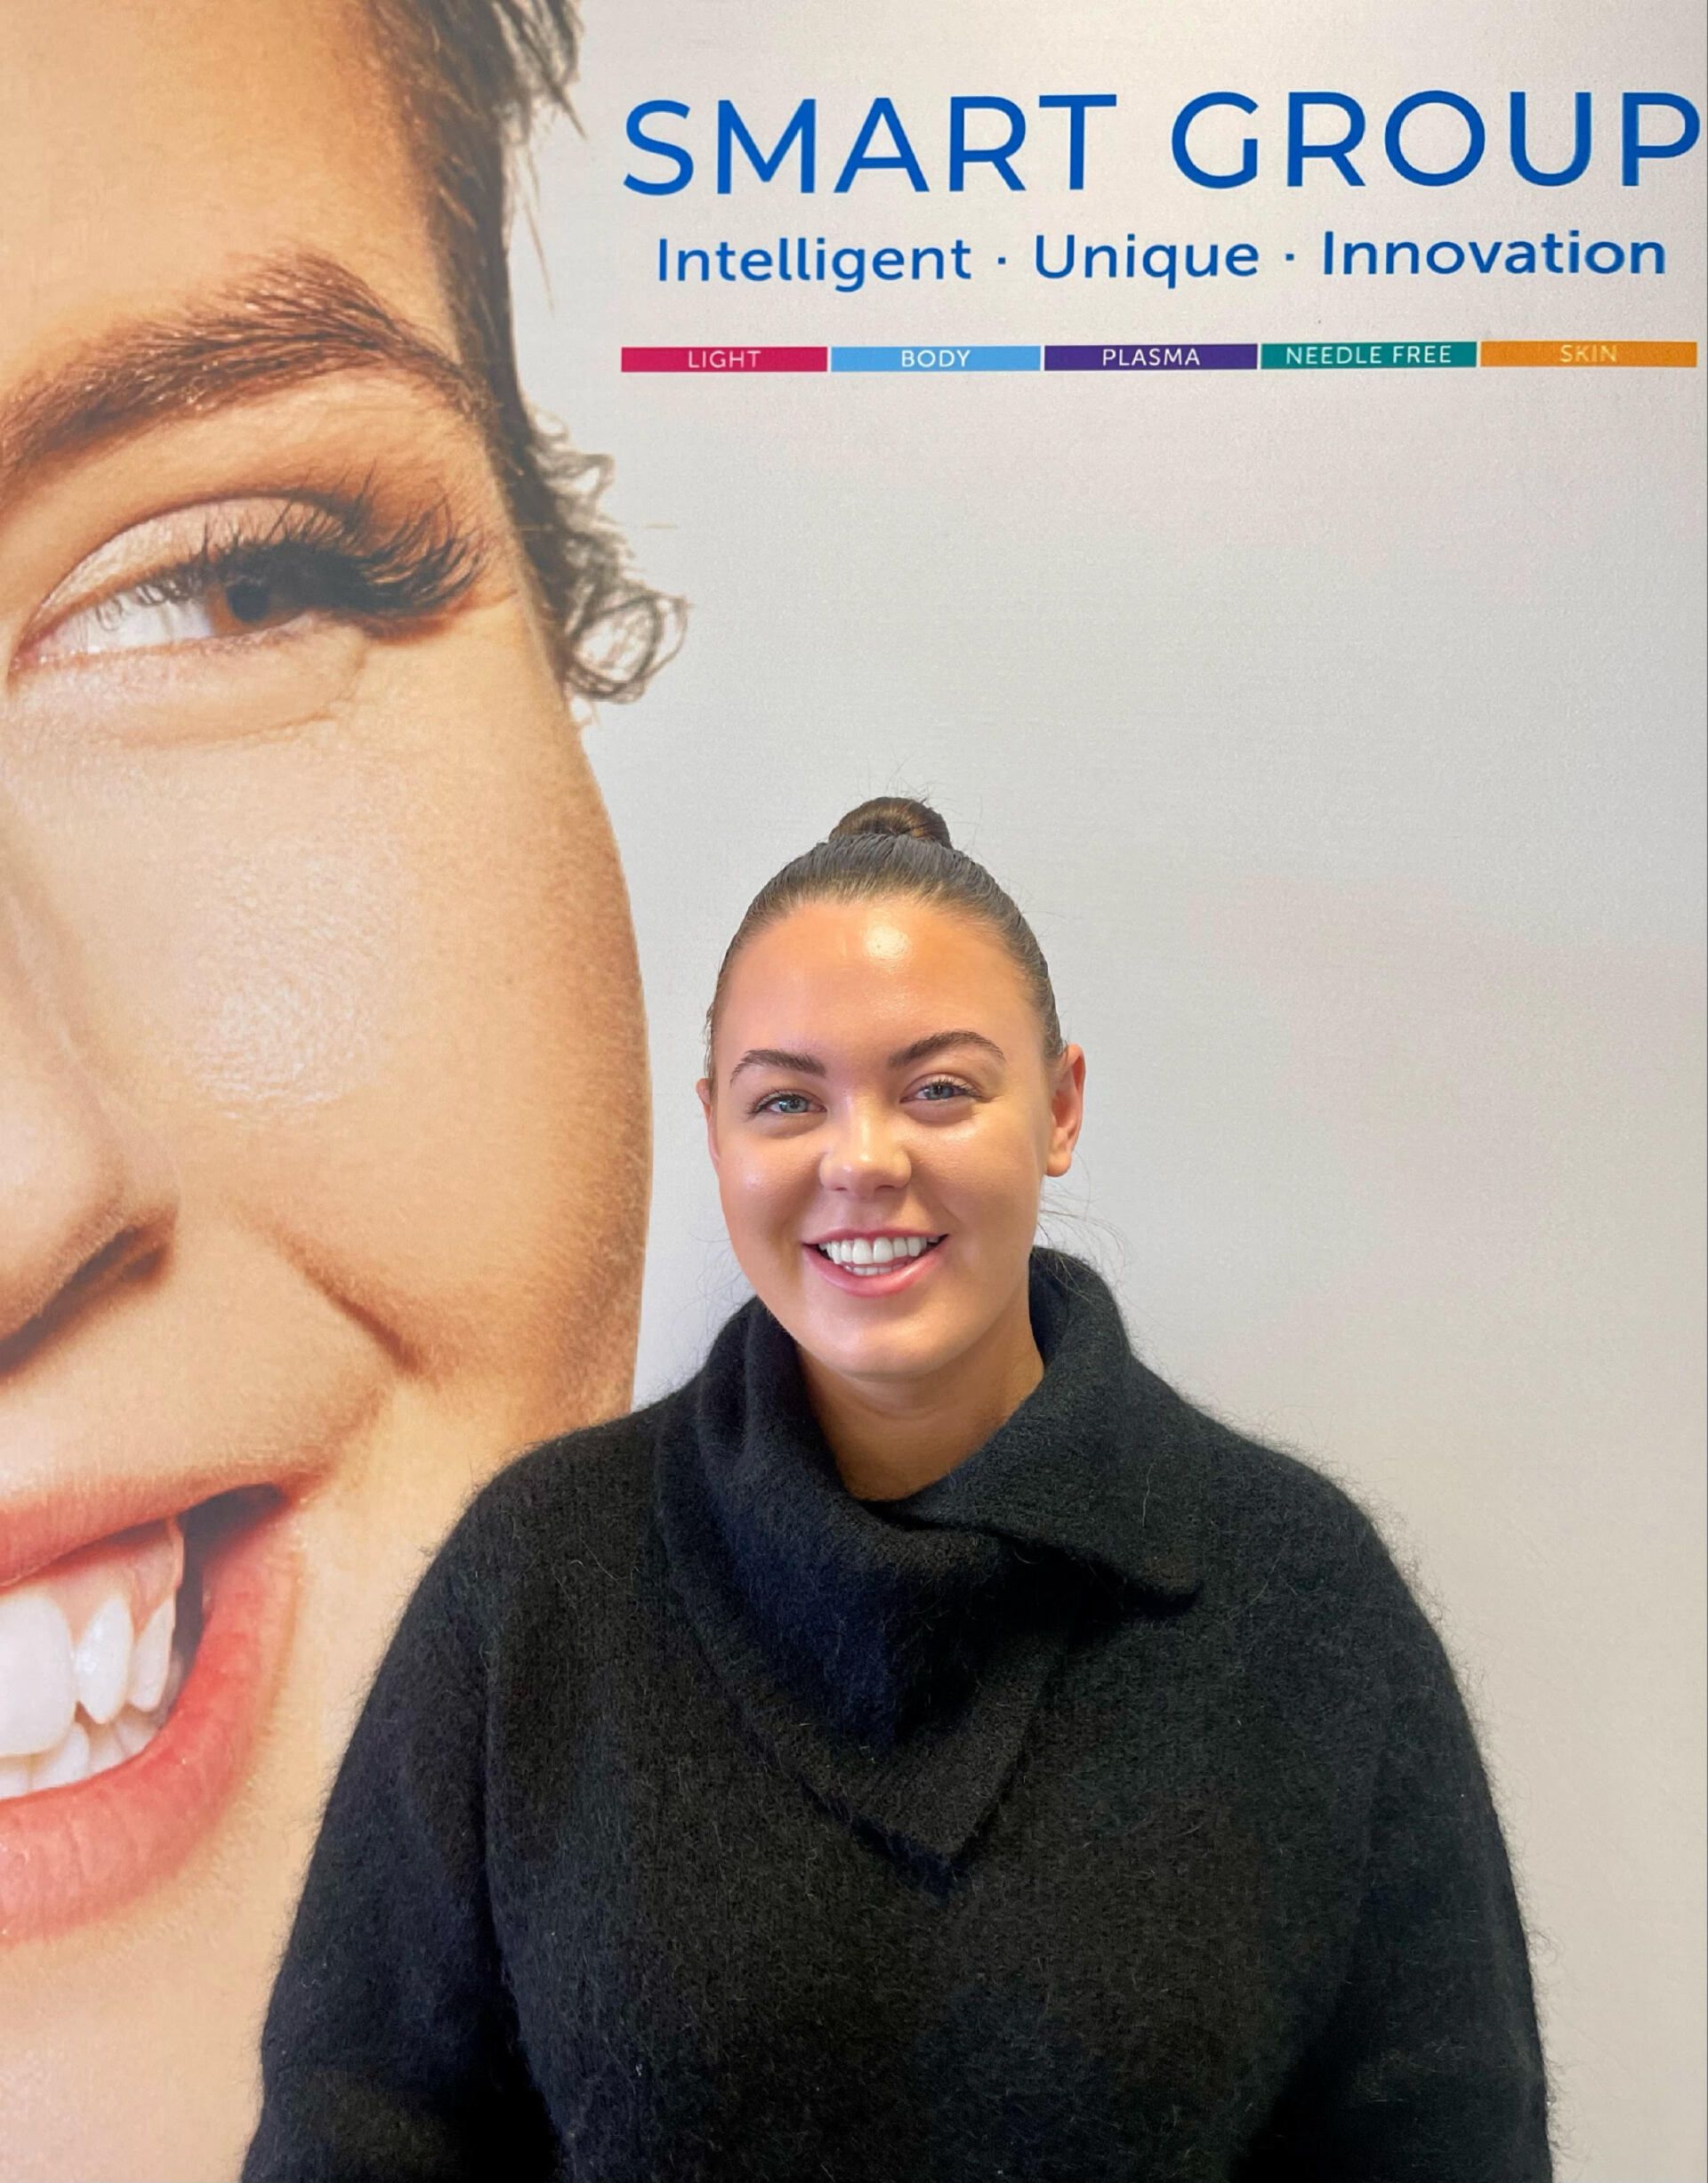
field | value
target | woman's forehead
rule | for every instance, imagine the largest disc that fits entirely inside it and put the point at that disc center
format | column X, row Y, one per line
column 891, row 956
column 147, row 154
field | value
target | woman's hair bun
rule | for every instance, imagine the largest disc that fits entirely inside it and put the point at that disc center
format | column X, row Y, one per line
column 892, row 814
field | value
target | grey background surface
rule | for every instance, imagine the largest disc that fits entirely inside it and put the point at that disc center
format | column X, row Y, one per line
column 1342, row 736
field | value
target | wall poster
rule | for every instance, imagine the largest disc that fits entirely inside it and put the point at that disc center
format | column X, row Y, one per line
column 1243, row 465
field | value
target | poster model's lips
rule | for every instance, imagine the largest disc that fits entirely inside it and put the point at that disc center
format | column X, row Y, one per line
column 77, row 1851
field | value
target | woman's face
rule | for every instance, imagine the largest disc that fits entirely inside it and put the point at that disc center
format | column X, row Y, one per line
column 324, row 1132
column 879, row 1074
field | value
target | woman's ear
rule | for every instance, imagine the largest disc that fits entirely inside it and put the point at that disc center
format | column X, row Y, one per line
column 1066, row 1110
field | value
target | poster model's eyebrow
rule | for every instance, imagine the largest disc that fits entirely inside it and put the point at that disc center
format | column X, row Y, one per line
column 298, row 316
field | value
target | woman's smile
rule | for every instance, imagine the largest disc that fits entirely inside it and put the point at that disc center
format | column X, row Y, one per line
column 876, row 1264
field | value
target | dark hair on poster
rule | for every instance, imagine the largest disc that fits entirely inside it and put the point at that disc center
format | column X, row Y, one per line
column 474, row 77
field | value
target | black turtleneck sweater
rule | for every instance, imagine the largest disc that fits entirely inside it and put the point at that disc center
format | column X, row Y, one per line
column 1106, row 1809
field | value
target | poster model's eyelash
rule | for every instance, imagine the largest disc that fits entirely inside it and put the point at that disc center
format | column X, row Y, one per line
column 341, row 559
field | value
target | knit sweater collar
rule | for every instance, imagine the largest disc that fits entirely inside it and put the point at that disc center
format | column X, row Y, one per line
column 891, row 1653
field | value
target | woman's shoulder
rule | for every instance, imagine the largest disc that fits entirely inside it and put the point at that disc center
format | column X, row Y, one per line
column 1273, row 1517
column 586, row 1469
column 576, row 1505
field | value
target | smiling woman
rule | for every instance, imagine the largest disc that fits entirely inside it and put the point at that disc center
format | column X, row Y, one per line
column 927, row 1664
column 812, row 1175
column 299, row 608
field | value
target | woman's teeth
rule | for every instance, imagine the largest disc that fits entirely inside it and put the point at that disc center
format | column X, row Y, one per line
column 88, row 1667
column 871, row 1254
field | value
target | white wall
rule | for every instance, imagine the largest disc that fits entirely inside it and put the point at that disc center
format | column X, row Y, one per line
column 1342, row 736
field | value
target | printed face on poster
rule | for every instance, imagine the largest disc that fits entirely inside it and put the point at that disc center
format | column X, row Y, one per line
column 1287, row 583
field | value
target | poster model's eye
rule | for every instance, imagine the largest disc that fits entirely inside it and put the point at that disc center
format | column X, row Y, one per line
column 254, row 572
column 185, row 606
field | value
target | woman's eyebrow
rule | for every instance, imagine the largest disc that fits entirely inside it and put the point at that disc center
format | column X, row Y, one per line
column 301, row 316
column 921, row 1050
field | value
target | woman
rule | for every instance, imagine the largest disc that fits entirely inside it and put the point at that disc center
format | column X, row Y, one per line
column 297, row 613
column 923, row 1744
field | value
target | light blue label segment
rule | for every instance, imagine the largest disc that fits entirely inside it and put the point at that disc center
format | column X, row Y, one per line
column 941, row 357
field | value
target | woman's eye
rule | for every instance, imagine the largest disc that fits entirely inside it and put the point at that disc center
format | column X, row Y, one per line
column 179, row 609
column 771, row 1103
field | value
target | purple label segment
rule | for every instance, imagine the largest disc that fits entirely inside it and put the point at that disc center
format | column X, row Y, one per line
column 1154, row 356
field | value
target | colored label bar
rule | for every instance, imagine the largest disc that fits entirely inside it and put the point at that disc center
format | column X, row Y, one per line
column 1154, row 356
column 1174, row 356
column 1577, row 354
column 1339, row 355
column 944, row 357
column 726, row 360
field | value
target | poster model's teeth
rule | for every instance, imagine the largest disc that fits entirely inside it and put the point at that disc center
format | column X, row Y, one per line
column 88, row 1663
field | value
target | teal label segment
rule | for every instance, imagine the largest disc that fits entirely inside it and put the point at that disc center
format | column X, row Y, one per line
column 939, row 356
column 1341, row 356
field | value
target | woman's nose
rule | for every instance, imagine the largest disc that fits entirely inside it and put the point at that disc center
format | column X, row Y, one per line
column 85, row 1186
column 865, row 1149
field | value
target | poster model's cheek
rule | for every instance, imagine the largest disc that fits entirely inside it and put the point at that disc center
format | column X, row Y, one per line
column 259, row 911
column 235, row 907
column 278, row 978
column 375, row 974
column 240, row 914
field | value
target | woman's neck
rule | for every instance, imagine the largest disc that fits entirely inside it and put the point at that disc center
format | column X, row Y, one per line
column 890, row 1438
